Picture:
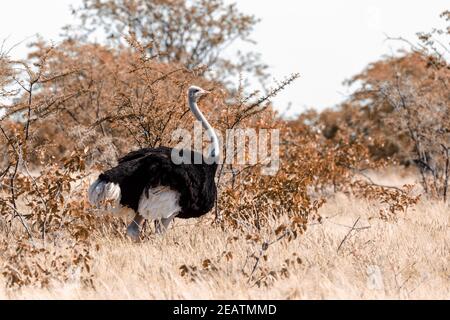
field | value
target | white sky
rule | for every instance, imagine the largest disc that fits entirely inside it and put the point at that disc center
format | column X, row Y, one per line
column 326, row 41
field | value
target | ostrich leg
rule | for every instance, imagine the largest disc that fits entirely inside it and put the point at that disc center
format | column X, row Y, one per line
column 162, row 226
column 134, row 229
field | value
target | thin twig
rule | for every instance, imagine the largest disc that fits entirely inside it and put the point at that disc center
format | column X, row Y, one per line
column 21, row 218
column 348, row 234
column 265, row 246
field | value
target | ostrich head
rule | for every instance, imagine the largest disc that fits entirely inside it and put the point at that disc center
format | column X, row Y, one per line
column 195, row 93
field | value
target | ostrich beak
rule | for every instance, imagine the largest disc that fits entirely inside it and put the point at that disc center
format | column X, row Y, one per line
column 205, row 92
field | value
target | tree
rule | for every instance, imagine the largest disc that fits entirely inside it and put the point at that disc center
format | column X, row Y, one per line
column 406, row 99
column 6, row 74
column 192, row 33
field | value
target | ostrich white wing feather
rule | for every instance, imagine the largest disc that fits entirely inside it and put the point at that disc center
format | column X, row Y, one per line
column 159, row 203
column 105, row 195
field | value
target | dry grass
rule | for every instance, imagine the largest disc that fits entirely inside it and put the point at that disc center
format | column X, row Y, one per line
column 406, row 259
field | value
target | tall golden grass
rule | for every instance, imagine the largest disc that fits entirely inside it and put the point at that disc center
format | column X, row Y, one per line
column 335, row 259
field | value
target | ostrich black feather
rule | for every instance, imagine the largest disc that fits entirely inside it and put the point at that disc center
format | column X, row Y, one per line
column 142, row 170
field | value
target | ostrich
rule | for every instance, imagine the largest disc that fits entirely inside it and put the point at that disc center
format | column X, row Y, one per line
column 148, row 182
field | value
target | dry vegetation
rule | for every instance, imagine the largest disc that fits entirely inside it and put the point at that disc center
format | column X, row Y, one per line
column 332, row 223
column 405, row 259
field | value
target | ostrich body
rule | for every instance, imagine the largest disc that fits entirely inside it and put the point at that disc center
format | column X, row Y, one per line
column 149, row 183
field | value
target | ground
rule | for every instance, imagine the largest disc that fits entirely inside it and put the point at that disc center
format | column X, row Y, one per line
column 406, row 258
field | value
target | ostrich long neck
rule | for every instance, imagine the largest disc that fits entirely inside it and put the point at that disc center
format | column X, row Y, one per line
column 214, row 153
